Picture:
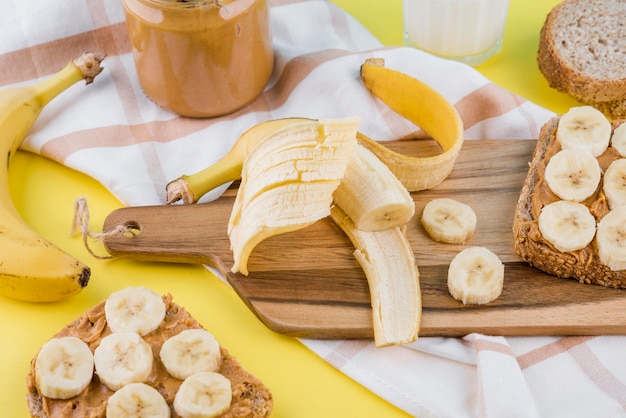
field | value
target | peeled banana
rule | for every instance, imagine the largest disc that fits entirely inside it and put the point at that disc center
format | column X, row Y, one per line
column 283, row 194
column 387, row 259
column 371, row 195
column 31, row 268
column 291, row 176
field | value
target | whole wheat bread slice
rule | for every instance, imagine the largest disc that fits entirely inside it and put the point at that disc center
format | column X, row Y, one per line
column 251, row 399
column 583, row 265
column 582, row 52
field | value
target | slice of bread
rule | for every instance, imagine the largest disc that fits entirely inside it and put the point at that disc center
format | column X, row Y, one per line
column 251, row 399
column 582, row 52
column 583, row 265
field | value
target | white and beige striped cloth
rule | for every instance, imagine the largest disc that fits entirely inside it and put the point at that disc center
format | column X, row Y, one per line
column 112, row 132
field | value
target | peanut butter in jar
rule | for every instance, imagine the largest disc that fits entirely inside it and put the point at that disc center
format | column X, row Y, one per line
column 201, row 58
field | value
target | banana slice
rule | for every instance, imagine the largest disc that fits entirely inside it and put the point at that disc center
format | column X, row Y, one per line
column 476, row 276
column 64, row 367
column 614, row 186
column 137, row 400
column 569, row 226
column 573, row 174
column 136, row 309
column 203, row 395
column 190, row 352
column 123, row 358
column 449, row 221
column 618, row 140
column 611, row 239
column 586, row 128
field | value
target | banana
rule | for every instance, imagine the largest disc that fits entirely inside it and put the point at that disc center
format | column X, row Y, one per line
column 393, row 278
column 475, row 276
column 31, row 268
column 301, row 197
column 586, row 128
column 411, row 98
column 568, row 226
column 63, row 367
column 618, row 140
column 449, row 221
column 190, row 352
column 134, row 309
column 614, row 183
column 610, row 240
column 371, row 195
column 573, row 174
column 423, row 106
column 123, row 358
column 137, row 400
column 190, row 188
column 203, row 395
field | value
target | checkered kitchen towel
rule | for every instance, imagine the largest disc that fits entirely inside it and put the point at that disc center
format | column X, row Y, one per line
column 113, row 133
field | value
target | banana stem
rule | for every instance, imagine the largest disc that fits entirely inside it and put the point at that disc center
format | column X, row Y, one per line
column 190, row 188
column 86, row 67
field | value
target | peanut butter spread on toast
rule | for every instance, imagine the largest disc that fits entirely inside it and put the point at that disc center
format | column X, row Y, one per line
column 250, row 397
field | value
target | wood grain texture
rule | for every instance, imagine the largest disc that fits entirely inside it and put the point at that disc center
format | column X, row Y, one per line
column 307, row 283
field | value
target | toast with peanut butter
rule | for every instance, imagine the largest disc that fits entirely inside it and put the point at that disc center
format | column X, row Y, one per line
column 97, row 366
column 570, row 219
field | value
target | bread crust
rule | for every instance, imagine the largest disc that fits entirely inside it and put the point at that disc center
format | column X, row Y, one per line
column 251, row 398
column 566, row 65
column 542, row 255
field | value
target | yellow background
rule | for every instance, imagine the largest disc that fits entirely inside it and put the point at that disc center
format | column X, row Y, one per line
column 303, row 384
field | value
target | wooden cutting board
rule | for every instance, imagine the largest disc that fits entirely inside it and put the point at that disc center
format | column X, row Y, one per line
column 307, row 283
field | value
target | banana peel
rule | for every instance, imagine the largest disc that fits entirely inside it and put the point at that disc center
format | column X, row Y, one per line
column 425, row 107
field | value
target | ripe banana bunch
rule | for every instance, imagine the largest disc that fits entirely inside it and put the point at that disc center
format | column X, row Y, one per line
column 476, row 276
column 31, row 268
column 124, row 362
column 574, row 175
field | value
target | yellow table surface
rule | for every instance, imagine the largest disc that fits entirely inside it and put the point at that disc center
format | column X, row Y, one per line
column 303, row 384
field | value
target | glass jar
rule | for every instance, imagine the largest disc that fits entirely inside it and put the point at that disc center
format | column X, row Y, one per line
column 201, row 58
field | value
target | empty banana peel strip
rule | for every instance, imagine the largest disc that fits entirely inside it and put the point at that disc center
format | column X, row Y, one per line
column 426, row 108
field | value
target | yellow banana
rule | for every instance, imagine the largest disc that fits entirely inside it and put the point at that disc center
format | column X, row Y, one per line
column 388, row 261
column 190, row 188
column 31, row 268
column 423, row 106
column 407, row 96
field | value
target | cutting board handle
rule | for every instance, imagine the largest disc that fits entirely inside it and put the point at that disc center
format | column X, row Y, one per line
column 170, row 234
